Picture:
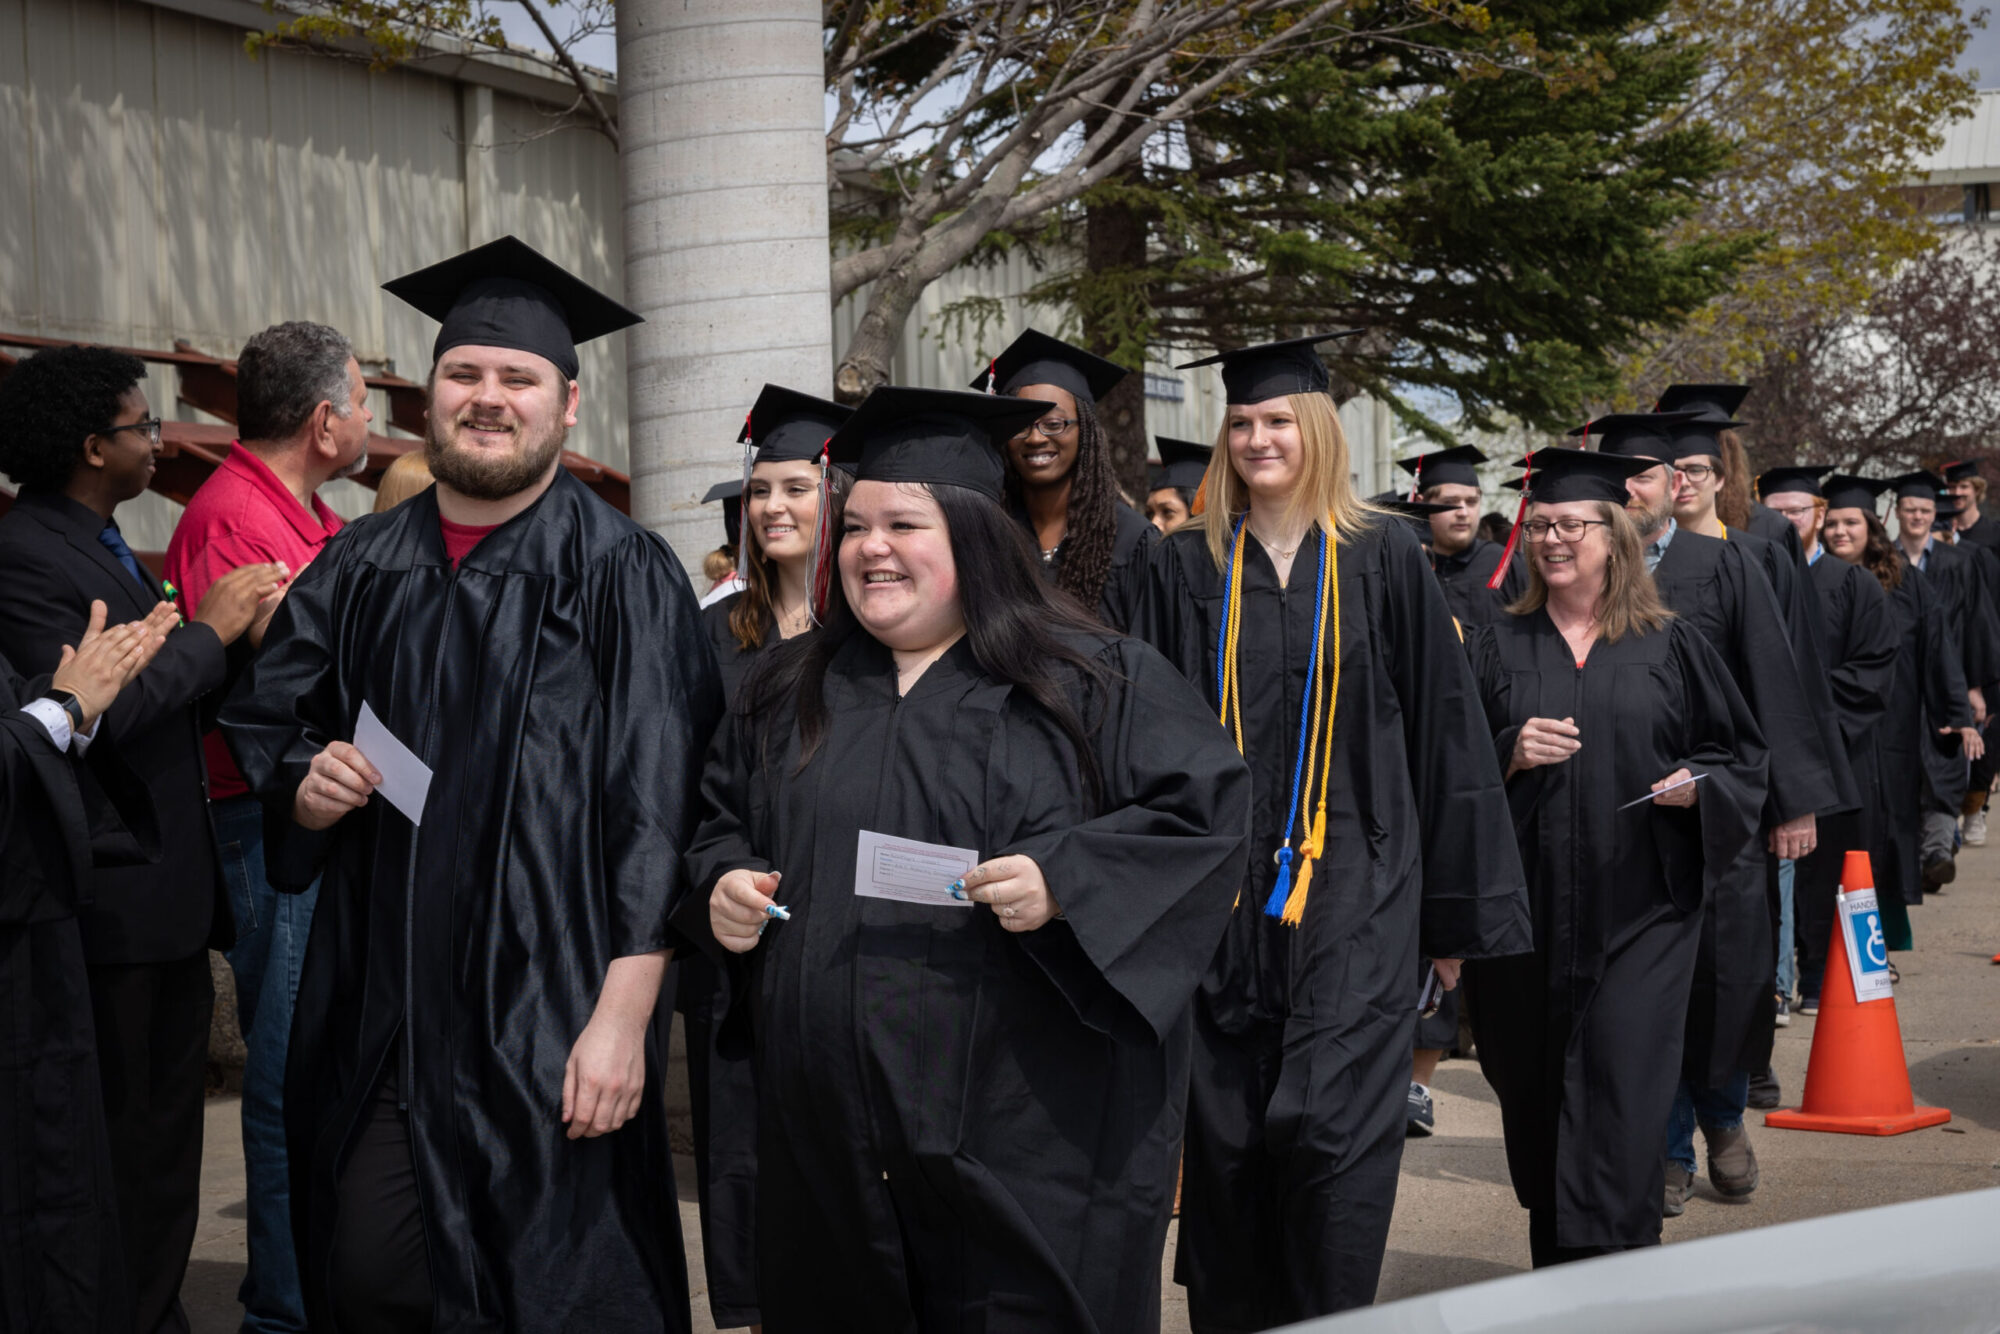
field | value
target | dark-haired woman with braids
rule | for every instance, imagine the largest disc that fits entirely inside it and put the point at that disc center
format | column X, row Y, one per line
column 1060, row 484
column 1928, row 689
column 966, row 855
column 1380, row 832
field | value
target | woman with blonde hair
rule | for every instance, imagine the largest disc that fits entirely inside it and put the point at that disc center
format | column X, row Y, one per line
column 1379, row 833
column 405, row 476
column 1595, row 696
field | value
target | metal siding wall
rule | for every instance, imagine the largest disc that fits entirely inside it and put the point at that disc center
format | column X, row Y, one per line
column 162, row 185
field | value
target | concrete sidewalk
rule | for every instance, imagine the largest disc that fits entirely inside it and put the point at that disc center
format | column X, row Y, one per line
column 1456, row 1220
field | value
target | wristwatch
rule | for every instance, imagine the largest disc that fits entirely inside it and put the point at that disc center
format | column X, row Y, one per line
column 71, row 705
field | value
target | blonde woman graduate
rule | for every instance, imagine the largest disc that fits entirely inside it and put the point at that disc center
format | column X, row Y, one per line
column 1380, row 832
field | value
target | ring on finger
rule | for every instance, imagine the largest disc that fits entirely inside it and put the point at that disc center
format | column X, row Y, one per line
column 1006, row 912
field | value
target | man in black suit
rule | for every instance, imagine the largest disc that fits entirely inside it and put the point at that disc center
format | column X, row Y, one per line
column 79, row 440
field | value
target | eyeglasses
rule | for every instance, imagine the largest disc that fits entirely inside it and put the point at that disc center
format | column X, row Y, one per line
column 150, row 425
column 1790, row 511
column 1696, row 472
column 1569, row 530
column 1048, row 427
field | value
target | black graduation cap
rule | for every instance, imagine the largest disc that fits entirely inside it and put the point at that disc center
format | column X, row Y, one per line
column 1036, row 358
column 1803, row 478
column 1395, row 502
column 1636, row 435
column 1443, row 466
column 1710, row 402
column 1918, row 485
column 943, row 436
column 508, row 294
column 1273, row 370
column 1577, row 474
column 730, row 493
column 1947, row 505
column 786, row 426
column 1844, row 491
column 1961, row 472
column 1183, row 463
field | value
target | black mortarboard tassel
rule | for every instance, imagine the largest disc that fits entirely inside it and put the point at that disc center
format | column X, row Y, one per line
column 1183, row 463
column 1036, row 358
column 1845, row 491
column 1273, row 370
column 1574, row 474
column 508, row 294
column 785, row 426
column 1803, row 478
column 941, row 437
column 1709, row 402
column 1916, row 485
column 1443, row 467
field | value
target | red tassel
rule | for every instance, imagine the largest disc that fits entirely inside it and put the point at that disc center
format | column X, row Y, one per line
column 1514, row 533
column 822, row 575
column 993, row 376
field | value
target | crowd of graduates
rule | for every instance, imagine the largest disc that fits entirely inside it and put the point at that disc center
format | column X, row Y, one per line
column 1031, row 865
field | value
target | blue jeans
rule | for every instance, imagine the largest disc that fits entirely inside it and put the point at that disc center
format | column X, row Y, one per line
column 271, row 930
column 1715, row 1109
column 1787, row 954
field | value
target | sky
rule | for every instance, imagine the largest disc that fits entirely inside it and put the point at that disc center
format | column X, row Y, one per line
column 1982, row 53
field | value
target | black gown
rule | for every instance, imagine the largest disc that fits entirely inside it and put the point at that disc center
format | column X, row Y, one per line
column 960, row 1127
column 62, row 1270
column 1581, row 1039
column 1720, row 589
column 560, row 687
column 1463, row 578
column 1985, row 533
column 1859, row 650
column 722, row 1085
column 1299, row 1098
column 1955, row 583
column 1125, row 582
column 1772, row 526
column 1928, row 692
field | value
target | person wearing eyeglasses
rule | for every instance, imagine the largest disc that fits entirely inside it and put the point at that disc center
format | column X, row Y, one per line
column 1634, row 768
column 1720, row 588
column 81, row 440
column 1060, row 484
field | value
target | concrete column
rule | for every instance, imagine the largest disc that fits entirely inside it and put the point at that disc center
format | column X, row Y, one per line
column 723, row 126
column 482, row 177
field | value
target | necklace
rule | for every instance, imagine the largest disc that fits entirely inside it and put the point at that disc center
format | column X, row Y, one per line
column 1276, row 550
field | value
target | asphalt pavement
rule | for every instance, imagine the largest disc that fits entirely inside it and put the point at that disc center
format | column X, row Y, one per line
column 1456, row 1219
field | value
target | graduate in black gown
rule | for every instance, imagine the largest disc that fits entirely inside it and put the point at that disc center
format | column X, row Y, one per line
column 1737, row 507
column 1171, row 484
column 1060, row 484
column 1463, row 561
column 1596, row 695
column 61, row 1262
column 1952, row 505
column 783, row 596
column 475, row 1103
column 969, row 1108
column 1719, row 588
column 1955, row 580
column 1859, row 650
column 1393, row 842
column 721, row 566
column 1927, row 713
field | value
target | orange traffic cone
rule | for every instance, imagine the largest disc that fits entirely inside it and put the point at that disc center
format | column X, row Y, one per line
column 1856, row 1082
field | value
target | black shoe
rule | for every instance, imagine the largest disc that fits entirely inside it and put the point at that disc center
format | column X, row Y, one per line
column 1421, row 1123
column 1782, row 1015
column 1680, row 1184
column 1764, row 1091
column 1808, row 1005
column 1939, row 872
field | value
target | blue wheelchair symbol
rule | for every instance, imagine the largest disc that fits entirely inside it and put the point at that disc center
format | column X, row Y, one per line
column 1874, row 948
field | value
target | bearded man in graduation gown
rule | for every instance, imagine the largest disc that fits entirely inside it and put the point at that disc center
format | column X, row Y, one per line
column 1463, row 561
column 474, row 1105
column 1720, row 588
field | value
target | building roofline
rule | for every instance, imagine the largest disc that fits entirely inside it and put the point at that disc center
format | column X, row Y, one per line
column 444, row 58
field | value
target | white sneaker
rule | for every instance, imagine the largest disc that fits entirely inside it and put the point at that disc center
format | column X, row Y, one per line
column 1975, row 830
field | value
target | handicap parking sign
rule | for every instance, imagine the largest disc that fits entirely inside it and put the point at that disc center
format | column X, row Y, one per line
column 1867, row 948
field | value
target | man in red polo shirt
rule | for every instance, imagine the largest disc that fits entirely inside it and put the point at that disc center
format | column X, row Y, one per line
column 302, row 411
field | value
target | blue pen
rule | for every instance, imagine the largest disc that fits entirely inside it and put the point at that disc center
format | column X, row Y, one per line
column 779, row 911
